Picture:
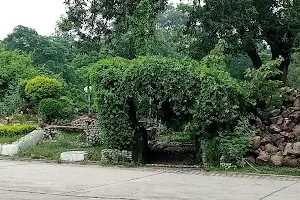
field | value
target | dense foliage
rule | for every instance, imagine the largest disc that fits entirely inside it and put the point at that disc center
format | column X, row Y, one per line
column 42, row 87
column 16, row 130
column 50, row 109
column 152, row 62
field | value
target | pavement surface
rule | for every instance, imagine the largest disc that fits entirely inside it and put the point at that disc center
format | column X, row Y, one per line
column 43, row 181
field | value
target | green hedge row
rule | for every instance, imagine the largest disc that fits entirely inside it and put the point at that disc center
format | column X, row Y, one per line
column 23, row 129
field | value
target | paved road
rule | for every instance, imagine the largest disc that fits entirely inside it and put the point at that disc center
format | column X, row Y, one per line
column 41, row 181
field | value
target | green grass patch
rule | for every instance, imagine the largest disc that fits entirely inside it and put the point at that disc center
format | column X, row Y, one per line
column 64, row 141
column 175, row 137
column 10, row 140
column 262, row 170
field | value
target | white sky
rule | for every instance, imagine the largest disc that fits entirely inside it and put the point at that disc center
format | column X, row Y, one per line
column 41, row 15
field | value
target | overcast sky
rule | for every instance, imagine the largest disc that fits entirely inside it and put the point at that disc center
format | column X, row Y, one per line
column 38, row 14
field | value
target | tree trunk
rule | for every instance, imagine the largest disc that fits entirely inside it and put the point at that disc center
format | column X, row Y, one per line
column 254, row 56
column 284, row 67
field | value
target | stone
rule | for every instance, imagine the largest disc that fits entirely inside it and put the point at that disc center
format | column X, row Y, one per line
column 265, row 140
column 296, row 148
column 263, row 157
column 294, row 108
column 275, row 138
column 288, row 125
column 30, row 140
column 277, row 120
column 73, row 156
column 295, row 116
column 290, row 161
column 274, row 128
column 260, row 124
column 288, row 149
column 296, row 130
column 297, row 102
column 276, row 159
column 250, row 159
column 275, row 112
column 271, row 149
column 256, row 142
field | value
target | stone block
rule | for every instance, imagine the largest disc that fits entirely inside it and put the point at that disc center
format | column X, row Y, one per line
column 73, row 156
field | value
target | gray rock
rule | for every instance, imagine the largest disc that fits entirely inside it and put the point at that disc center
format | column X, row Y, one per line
column 256, row 142
column 276, row 159
column 262, row 158
column 277, row 120
column 271, row 149
column 274, row 128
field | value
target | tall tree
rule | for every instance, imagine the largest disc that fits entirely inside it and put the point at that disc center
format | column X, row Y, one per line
column 95, row 22
column 243, row 23
column 50, row 55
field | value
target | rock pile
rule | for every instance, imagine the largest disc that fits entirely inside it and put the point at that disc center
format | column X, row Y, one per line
column 90, row 126
column 116, row 156
column 278, row 142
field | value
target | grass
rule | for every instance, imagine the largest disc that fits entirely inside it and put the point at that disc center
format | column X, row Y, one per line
column 10, row 140
column 175, row 137
column 64, row 141
column 262, row 170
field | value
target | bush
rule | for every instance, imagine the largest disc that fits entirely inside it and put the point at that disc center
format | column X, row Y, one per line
column 235, row 145
column 10, row 131
column 264, row 91
column 175, row 92
column 50, row 109
column 42, row 87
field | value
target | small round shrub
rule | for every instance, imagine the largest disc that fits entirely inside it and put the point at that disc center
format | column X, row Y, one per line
column 50, row 109
column 42, row 87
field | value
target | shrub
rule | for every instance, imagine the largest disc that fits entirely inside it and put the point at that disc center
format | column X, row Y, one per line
column 10, row 131
column 235, row 145
column 50, row 109
column 175, row 92
column 264, row 91
column 42, row 87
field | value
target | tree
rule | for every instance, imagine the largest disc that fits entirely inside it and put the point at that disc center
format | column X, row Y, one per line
column 244, row 23
column 13, row 68
column 50, row 55
column 100, row 21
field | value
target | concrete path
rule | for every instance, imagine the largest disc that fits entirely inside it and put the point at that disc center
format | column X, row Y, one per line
column 41, row 181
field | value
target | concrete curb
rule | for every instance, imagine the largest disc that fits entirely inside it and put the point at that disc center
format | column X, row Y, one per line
column 26, row 142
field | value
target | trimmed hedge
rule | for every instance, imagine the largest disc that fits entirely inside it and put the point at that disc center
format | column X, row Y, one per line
column 9, row 131
column 43, row 87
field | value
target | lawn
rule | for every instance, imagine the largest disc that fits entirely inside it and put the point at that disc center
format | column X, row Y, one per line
column 64, row 141
column 10, row 139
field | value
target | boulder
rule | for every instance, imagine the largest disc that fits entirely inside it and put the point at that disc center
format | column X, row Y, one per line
column 250, row 159
column 297, row 102
column 259, row 123
column 276, row 159
column 288, row 125
column 275, row 112
column 275, row 138
column 277, row 120
column 271, row 149
column 266, row 140
column 290, row 161
column 263, row 158
column 296, row 148
column 274, row 128
column 295, row 116
column 256, row 142
column 288, row 149
column 296, row 130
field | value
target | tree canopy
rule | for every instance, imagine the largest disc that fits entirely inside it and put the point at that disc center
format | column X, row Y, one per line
column 248, row 22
